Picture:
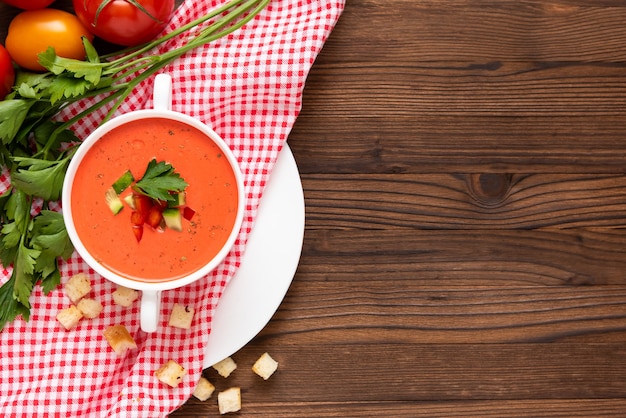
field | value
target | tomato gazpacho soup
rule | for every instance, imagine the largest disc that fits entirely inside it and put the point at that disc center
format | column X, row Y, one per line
column 161, row 254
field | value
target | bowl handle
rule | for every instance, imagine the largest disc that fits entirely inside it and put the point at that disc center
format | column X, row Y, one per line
column 150, row 310
column 162, row 93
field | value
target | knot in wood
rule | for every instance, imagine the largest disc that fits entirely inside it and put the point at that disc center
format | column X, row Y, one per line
column 490, row 189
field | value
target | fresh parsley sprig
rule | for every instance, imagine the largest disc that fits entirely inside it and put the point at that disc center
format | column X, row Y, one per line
column 160, row 181
column 36, row 149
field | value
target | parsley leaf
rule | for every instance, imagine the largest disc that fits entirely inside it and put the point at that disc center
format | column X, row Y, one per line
column 10, row 308
column 12, row 235
column 24, row 269
column 160, row 180
column 12, row 115
column 32, row 85
column 44, row 137
column 89, row 71
column 14, row 294
column 51, row 238
column 13, row 223
column 41, row 178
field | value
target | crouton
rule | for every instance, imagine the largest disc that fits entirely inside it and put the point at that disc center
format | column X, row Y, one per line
column 204, row 389
column 265, row 366
column 229, row 400
column 77, row 287
column 90, row 308
column 171, row 373
column 225, row 367
column 119, row 339
column 69, row 317
column 124, row 296
column 181, row 316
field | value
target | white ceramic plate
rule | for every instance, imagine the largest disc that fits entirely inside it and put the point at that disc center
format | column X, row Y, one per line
column 267, row 266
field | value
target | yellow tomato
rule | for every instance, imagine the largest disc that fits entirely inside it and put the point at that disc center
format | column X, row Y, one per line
column 33, row 31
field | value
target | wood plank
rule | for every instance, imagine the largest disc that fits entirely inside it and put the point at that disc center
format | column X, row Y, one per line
column 465, row 118
column 464, row 86
column 480, row 30
column 452, row 88
column 462, row 201
column 417, row 372
column 408, row 312
column 510, row 408
column 516, row 258
column 490, row 144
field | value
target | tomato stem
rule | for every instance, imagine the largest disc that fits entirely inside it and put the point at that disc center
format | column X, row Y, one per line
column 133, row 3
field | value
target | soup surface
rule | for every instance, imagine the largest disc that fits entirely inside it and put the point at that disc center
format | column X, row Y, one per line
column 160, row 255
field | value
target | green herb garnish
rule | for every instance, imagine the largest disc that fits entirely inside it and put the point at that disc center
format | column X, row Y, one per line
column 32, row 245
column 160, row 181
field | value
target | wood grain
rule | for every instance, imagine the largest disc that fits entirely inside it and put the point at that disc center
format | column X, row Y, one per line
column 463, row 86
column 464, row 170
column 465, row 201
column 558, row 408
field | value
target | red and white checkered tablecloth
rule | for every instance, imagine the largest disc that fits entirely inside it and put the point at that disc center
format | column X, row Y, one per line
column 248, row 88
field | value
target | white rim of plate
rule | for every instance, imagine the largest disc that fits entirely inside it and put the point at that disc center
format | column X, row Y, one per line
column 266, row 271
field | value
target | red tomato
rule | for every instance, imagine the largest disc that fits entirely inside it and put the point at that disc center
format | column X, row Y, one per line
column 33, row 31
column 7, row 73
column 123, row 22
column 29, row 4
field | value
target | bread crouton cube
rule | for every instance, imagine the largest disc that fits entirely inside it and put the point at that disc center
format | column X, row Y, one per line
column 181, row 316
column 77, row 286
column 90, row 308
column 225, row 367
column 69, row 317
column 171, row 373
column 124, row 296
column 119, row 339
column 204, row 389
column 229, row 400
column 265, row 366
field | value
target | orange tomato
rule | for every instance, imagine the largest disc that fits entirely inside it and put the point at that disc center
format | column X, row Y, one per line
column 33, row 31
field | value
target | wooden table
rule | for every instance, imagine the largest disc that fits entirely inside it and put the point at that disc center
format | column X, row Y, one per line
column 465, row 252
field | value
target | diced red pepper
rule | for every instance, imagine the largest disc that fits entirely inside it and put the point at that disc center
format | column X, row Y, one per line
column 188, row 213
column 161, row 204
column 138, row 231
column 154, row 217
column 137, row 218
column 142, row 204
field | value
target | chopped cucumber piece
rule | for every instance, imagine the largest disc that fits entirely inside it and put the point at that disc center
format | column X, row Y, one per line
column 130, row 201
column 123, row 182
column 179, row 200
column 173, row 219
column 113, row 201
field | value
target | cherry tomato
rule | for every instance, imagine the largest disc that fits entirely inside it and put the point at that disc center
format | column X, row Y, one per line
column 29, row 4
column 7, row 73
column 33, row 31
column 123, row 22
